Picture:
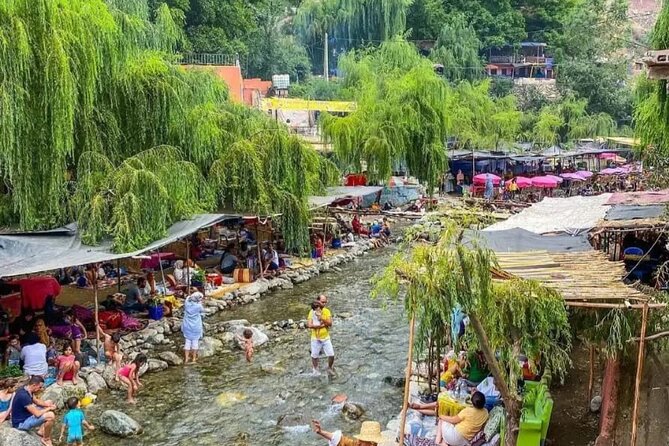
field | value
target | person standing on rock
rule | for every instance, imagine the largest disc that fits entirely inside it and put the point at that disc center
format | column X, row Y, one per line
column 29, row 412
column 191, row 326
column 320, row 335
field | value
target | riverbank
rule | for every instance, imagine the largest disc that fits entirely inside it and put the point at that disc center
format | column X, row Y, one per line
column 158, row 342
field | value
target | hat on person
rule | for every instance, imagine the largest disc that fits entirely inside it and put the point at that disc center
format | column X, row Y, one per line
column 370, row 431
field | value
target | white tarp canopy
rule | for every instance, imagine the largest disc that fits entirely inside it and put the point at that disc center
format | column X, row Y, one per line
column 29, row 253
column 337, row 193
column 571, row 215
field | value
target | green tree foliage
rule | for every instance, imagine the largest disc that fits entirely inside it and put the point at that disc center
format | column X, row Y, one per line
column 569, row 120
column 426, row 18
column 496, row 22
column 651, row 113
column 87, row 94
column 593, row 67
column 318, row 89
column 507, row 317
column 406, row 112
column 543, row 16
column 457, row 49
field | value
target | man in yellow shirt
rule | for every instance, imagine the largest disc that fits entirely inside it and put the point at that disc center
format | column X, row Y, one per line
column 460, row 429
column 319, row 322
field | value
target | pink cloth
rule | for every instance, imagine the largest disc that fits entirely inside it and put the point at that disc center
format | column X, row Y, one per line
column 34, row 291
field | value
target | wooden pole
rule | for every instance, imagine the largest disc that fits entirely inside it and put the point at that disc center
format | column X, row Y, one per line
column 118, row 274
column 407, row 380
column 592, row 372
column 97, row 311
column 187, row 268
column 260, row 259
column 639, row 373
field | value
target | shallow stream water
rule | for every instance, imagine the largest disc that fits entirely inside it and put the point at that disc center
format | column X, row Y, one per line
column 182, row 405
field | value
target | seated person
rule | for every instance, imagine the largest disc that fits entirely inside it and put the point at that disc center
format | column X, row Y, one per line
column 244, row 251
column 23, row 325
column 356, row 224
column 68, row 367
column 271, row 259
column 478, row 369
column 318, row 246
column 387, row 206
column 246, row 235
column 376, row 229
column 460, row 429
column 29, row 412
column 82, row 280
column 229, row 261
column 33, row 355
column 135, row 297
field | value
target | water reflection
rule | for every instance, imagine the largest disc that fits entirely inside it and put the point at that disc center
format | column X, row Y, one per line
column 224, row 400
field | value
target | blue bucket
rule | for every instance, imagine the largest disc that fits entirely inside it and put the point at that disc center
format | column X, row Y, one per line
column 156, row 313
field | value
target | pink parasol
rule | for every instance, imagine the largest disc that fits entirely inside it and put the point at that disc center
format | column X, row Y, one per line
column 612, row 171
column 544, row 182
column 521, row 182
column 480, row 179
column 572, row 176
column 585, row 174
column 556, row 178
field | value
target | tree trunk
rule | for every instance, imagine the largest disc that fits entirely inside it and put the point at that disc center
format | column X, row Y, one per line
column 511, row 402
column 609, row 402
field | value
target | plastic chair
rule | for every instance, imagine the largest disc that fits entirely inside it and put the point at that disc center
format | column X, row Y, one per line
column 633, row 251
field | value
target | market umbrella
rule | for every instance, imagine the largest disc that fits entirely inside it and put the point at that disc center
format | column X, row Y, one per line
column 556, row 178
column 521, row 182
column 544, row 182
column 572, row 176
column 585, row 174
column 610, row 171
column 480, row 179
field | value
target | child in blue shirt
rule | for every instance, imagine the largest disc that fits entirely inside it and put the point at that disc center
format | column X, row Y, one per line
column 74, row 421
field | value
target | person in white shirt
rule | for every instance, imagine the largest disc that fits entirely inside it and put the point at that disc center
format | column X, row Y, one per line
column 33, row 355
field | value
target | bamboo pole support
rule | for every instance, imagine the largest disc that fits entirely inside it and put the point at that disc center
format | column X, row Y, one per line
column 188, row 279
column 639, row 373
column 97, row 312
column 407, row 381
column 591, row 379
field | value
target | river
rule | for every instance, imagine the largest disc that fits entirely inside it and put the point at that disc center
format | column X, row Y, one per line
column 179, row 405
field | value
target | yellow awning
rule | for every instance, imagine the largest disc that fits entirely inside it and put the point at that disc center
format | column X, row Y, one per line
column 305, row 104
column 624, row 141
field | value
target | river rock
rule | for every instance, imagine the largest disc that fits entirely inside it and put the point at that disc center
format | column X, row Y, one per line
column 58, row 395
column 15, row 437
column 171, row 358
column 259, row 338
column 292, row 420
column 393, row 381
column 339, row 398
column 353, row 411
column 156, row 365
column 95, row 382
column 227, row 338
column 208, row 346
column 596, row 404
column 260, row 286
column 119, row 424
column 345, row 315
column 233, row 324
column 109, row 375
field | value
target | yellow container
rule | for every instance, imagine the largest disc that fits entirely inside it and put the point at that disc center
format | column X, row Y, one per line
column 448, row 406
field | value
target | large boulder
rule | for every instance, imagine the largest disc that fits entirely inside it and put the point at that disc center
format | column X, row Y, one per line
column 119, row 424
column 60, row 394
column 95, row 382
column 15, row 437
column 259, row 338
column 109, row 375
column 171, row 358
column 208, row 346
column 156, row 365
column 233, row 324
column 260, row 286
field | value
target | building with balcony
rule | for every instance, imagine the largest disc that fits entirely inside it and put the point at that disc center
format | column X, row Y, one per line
column 528, row 60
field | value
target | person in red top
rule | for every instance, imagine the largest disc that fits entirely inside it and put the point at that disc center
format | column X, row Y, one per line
column 68, row 366
column 357, row 226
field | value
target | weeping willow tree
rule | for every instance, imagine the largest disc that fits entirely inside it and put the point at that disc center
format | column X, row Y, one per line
column 508, row 317
column 406, row 112
column 90, row 97
column 457, row 49
column 651, row 111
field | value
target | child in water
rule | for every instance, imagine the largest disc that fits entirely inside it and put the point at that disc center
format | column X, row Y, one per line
column 74, row 421
column 129, row 376
column 248, row 344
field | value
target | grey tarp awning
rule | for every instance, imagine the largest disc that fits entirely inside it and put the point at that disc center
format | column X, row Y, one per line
column 634, row 212
column 44, row 251
column 337, row 193
column 520, row 240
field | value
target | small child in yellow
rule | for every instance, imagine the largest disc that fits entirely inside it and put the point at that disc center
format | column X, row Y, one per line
column 452, row 369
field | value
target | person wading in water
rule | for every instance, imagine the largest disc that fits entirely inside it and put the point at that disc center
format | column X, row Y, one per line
column 320, row 335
